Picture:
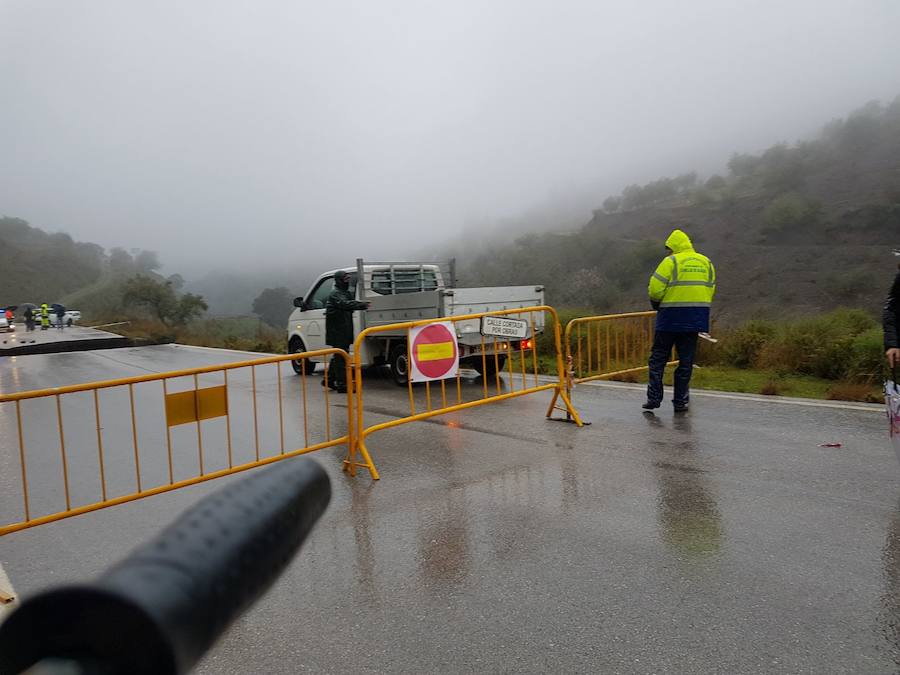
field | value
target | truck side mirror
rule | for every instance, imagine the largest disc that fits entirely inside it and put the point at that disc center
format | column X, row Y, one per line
column 298, row 302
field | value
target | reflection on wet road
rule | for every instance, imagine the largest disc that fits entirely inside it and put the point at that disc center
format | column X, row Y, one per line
column 688, row 513
column 725, row 540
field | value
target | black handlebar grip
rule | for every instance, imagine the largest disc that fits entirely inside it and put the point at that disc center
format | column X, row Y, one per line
column 161, row 608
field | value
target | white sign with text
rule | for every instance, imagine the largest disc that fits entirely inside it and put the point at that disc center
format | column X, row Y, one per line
column 501, row 326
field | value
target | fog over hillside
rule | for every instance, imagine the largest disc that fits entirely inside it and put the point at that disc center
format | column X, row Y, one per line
column 241, row 138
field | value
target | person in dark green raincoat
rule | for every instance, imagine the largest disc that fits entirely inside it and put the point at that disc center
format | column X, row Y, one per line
column 339, row 310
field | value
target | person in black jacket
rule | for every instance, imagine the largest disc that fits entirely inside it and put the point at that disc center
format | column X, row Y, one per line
column 339, row 310
column 891, row 321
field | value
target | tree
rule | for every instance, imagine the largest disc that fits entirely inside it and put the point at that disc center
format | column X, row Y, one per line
column 685, row 181
column 189, row 307
column 715, row 182
column 788, row 212
column 273, row 305
column 742, row 166
column 782, row 168
column 612, row 204
column 161, row 300
column 146, row 261
column 120, row 261
column 632, row 197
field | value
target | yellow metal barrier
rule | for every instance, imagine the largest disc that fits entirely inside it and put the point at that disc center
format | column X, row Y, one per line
column 106, row 455
column 608, row 346
column 493, row 379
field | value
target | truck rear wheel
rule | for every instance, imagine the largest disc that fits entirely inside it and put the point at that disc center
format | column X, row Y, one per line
column 488, row 368
column 295, row 346
column 399, row 364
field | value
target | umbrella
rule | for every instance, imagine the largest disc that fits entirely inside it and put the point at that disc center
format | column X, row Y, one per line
column 56, row 307
column 892, row 399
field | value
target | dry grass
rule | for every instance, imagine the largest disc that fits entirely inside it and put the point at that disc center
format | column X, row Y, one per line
column 242, row 334
column 854, row 391
column 770, row 388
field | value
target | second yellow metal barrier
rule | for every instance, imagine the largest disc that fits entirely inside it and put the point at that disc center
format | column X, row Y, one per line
column 608, row 346
column 496, row 384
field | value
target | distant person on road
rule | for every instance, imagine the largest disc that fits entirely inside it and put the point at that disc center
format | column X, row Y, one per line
column 339, row 310
column 681, row 289
column 45, row 316
column 891, row 322
column 60, row 315
column 29, row 319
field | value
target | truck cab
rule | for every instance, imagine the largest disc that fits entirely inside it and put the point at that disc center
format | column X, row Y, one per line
column 306, row 325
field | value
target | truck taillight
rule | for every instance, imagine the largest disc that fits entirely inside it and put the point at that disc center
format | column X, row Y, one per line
column 526, row 344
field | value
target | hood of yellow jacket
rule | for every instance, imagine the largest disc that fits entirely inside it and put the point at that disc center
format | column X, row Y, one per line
column 678, row 241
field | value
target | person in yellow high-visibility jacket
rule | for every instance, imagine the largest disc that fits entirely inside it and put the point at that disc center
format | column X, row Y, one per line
column 682, row 290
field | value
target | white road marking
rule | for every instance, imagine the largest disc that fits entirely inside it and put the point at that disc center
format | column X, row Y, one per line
column 747, row 397
column 865, row 407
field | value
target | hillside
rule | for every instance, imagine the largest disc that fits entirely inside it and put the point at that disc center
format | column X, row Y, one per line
column 39, row 267
column 798, row 228
column 43, row 267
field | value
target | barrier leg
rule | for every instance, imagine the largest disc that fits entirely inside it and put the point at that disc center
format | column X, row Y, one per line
column 350, row 463
column 553, row 402
column 571, row 413
column 570, row 409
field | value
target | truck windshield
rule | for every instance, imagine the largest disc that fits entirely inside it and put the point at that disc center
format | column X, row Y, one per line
column 390, row 282
column 319, row 297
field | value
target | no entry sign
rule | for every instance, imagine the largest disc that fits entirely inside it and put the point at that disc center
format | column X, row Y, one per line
column 434, row 352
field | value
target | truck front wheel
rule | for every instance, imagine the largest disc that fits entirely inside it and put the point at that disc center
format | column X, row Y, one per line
column 295, row 346
column 399, row 364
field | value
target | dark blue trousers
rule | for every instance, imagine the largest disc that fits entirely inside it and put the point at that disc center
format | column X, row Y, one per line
column 686, row 346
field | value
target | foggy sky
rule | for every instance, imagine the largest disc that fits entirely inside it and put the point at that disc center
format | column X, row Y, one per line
column 250, row 133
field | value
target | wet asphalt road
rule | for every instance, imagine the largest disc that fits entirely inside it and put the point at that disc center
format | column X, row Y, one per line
column 722, row 541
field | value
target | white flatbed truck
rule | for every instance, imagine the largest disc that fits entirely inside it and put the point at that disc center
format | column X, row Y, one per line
column 410, row 291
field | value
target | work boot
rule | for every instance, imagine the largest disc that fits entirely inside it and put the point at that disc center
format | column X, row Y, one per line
column 650, row 405
column 680, row 407
column 331, row 385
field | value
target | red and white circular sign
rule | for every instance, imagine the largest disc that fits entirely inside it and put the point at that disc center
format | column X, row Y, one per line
column 435, row 354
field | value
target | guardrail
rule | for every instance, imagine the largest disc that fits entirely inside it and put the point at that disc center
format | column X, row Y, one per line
column 209, row 420
column 497, row 384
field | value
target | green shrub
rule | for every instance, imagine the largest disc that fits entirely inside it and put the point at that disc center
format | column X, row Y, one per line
column 789, row 211
column 821, row 345
column 865, row 361
column 741, row 347
column 843, row 344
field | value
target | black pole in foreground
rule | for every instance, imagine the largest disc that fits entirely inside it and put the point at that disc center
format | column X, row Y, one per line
column 161, row 608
